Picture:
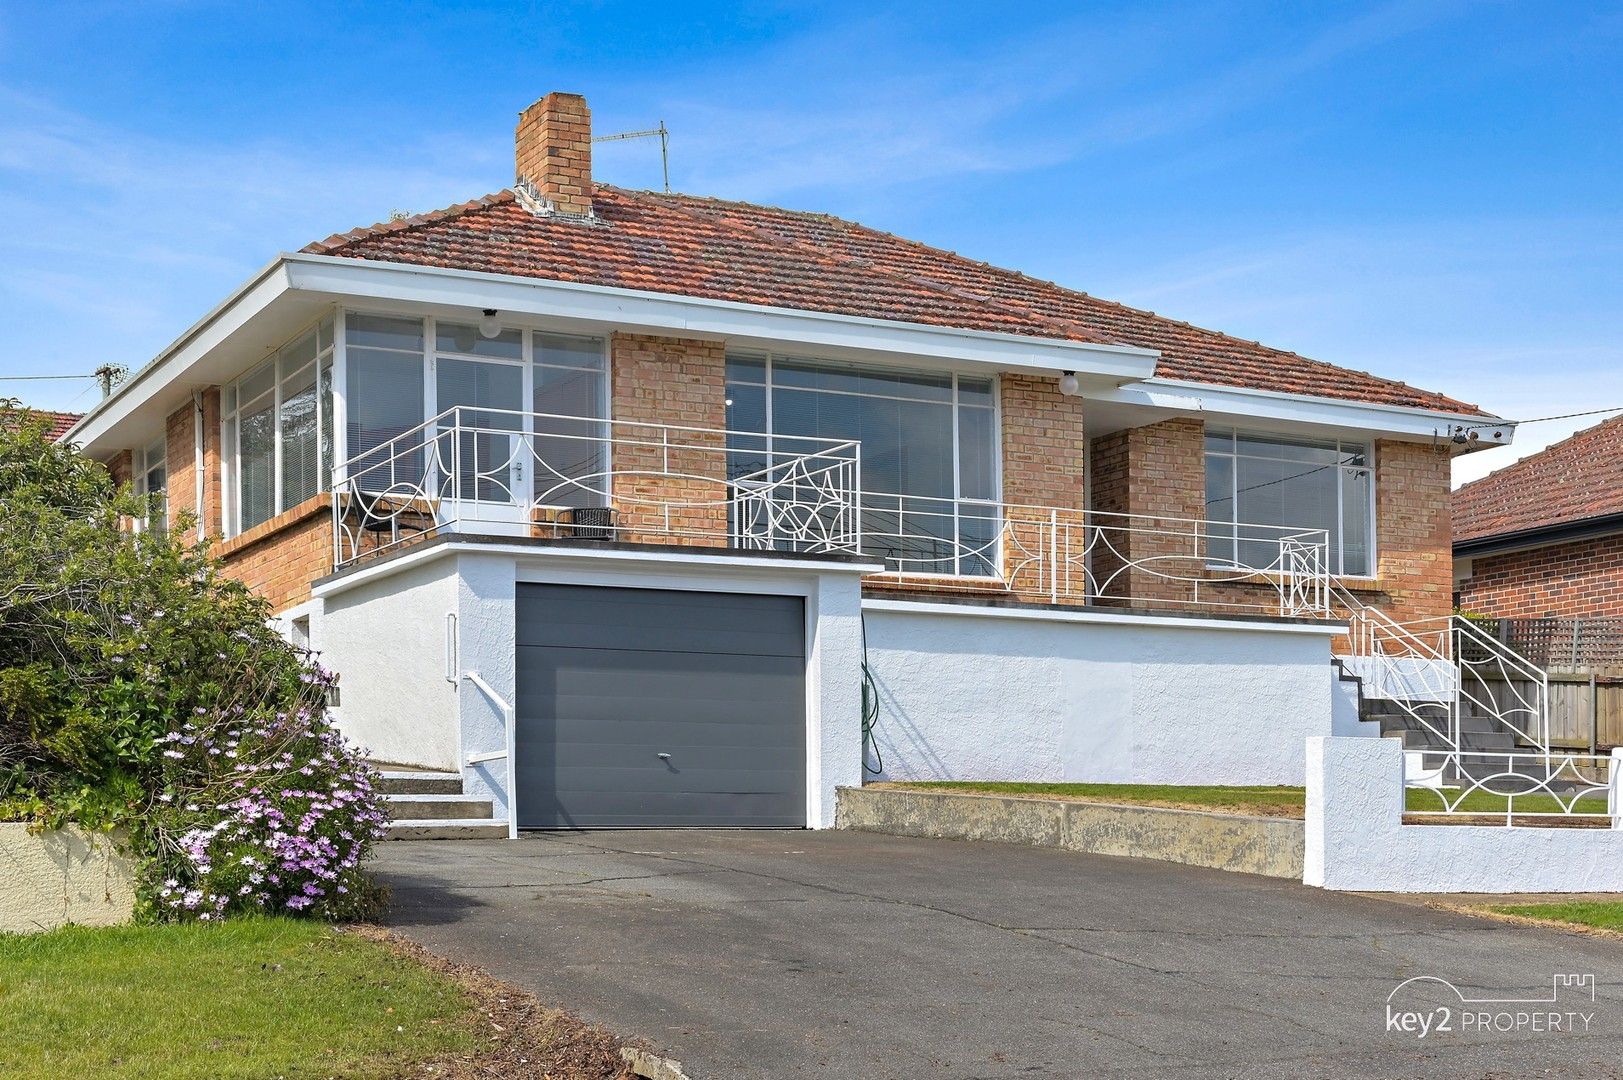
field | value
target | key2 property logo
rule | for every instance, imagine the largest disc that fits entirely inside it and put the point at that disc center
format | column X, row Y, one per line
column 1425, row 1006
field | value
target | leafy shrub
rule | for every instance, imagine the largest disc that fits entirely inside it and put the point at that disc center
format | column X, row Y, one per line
column 143, row 691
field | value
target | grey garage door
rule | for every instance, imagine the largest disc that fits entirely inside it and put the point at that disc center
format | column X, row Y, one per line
column 659, row 707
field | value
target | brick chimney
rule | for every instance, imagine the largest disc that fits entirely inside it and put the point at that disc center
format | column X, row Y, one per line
column 553, row 147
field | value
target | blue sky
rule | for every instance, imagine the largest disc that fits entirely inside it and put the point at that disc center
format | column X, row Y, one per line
column 1430, row 191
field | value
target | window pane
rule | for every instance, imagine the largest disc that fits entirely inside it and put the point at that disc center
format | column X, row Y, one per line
column 256, row 472
column 750, row 369
column 383, row 400
column 299, row 442
column 1355, row 523
column 298, row 352
column 746, row 417
column 1310, row 451
column 571, row 454
column 1220, row 439
column 1220, row 507
column 1283, row 493
column 974, row 391
column 818, row 375
column 325, row 478
column 977, row 467
column 466, row 338
column 569, row 350
column 257, row 382
column 383, row 333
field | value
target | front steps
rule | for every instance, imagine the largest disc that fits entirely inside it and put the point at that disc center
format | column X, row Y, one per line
column 1482, row 740
column 427, row 805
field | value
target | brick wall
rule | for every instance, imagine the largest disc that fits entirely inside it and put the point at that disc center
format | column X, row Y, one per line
column 1414, row 534
column 1156, row 470
column 1044, row 452
column 279, row 558
column 1582, row 579
column 682, row 381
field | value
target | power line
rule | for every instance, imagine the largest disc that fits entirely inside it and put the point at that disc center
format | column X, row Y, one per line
column 31, row 378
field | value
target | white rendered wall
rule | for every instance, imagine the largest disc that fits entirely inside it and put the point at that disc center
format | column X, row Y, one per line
column 975, row 693
column 386, row 639
column 1356, row 838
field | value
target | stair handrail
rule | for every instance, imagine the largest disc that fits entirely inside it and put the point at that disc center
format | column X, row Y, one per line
column 509, row 749
column 1371, row 630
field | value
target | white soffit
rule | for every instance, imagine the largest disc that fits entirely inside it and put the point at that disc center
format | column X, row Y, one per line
column 1240, row 405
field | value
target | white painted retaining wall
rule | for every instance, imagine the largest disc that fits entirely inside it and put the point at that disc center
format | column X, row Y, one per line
column 975, row 692
column 386, row 639
column 1356, row 838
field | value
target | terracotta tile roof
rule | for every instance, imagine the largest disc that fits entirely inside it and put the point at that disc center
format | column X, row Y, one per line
column 1574, row 480
column 763, row 255
column 59, row 422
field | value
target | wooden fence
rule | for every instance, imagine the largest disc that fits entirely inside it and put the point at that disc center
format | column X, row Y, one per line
column 1586, row 708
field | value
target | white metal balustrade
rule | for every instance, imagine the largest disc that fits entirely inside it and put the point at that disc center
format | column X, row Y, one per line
column 1061, row 555
column 479, row 470
column 491, row 471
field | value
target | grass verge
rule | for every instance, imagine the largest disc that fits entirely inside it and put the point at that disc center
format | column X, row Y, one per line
column 1288, row 802
column 1595, row 914
column 262, row 998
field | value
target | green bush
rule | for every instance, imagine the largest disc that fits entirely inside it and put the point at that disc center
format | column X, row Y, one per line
column 143, row 691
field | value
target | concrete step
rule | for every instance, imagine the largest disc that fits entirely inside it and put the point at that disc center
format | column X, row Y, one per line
column 419, row 782
column 447, row 829
column 1420, row 739
column 437, row 807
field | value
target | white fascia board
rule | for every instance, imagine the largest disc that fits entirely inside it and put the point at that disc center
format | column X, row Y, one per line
column 1114, row 618
column 362, row 279
column 672, row 559
column 1396, row 420
column 207, row 333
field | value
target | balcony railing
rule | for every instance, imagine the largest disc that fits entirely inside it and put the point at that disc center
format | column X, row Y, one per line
column 1059, row 555
column 491, row 471
column 475, row 470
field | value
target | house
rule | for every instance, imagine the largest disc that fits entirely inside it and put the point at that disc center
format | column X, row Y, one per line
column 627, row 508
column 1539, row 546
column 57, row 423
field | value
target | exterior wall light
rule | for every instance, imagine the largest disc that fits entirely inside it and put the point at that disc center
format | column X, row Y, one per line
column 1068, row 384
column 488, row 326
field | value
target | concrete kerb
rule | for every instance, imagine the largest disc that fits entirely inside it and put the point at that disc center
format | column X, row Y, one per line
column 1246, row 844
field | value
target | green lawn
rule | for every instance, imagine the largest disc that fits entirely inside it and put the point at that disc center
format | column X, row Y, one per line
column 259, row 998
column 1268, row 801
column 1602, row 914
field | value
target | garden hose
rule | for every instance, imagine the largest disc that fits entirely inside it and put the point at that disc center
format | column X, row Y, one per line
column 870, row 711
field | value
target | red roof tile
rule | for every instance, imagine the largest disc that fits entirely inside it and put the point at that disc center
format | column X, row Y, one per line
column 58, row 422
column 1574, row 480
column 763, row 255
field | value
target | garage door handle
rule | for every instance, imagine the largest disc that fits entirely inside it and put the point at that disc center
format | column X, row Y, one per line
column 663, row 757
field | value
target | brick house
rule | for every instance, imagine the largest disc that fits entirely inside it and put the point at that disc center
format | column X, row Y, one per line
column 1543, row 538
column 626, row 508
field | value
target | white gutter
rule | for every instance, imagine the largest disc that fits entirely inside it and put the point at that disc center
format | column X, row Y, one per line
column 1405, row 420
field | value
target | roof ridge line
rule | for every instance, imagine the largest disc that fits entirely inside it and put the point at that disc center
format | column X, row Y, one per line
column 406, row 224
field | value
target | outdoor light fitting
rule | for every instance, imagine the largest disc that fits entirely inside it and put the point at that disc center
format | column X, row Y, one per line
column 488, row 326
column 1068, row 384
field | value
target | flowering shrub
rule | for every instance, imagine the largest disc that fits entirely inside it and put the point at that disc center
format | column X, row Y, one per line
column 141, row 690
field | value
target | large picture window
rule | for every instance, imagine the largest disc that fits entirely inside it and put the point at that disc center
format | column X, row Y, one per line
column 1273, row 480
column 277, row 427
column 929, row 450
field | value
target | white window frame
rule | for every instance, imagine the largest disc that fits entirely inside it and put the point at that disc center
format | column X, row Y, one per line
column 995, row 503
column 527, row 332
column 1343, row 446
column 231, row 425
column 142, row 461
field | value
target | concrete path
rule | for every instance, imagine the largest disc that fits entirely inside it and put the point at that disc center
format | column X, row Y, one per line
column 836, row 954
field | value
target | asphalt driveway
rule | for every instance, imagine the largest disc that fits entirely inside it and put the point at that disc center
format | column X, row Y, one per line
column 835, row 954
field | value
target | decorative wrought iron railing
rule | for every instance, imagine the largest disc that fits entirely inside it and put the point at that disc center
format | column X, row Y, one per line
column 1445, row 672
column 475, row 470
column 1090, row 556
column 1517, row 788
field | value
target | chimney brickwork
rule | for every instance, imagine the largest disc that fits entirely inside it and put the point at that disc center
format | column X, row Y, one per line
column 553, row 149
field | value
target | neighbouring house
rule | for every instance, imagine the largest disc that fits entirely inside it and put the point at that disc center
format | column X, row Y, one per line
column 627, row 508
column 1538, row 546
column 58, row 423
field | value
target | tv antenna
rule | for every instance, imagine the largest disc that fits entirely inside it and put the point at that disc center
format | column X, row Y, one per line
column 664, row 146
